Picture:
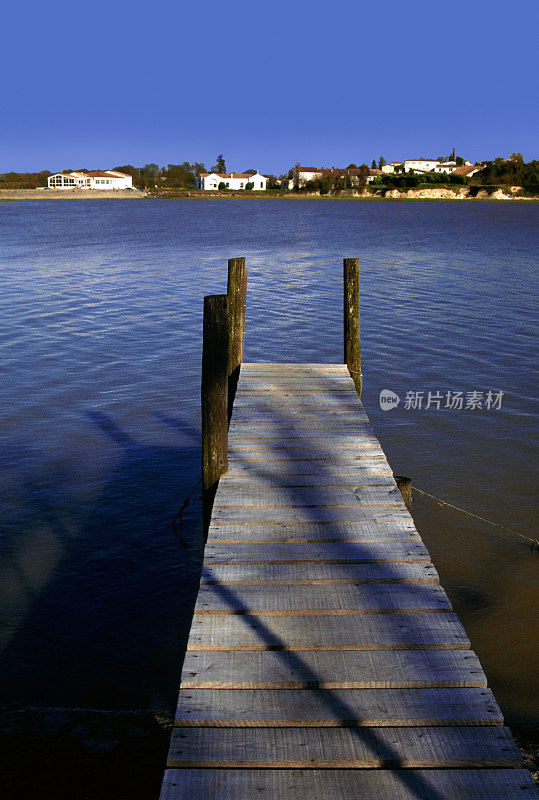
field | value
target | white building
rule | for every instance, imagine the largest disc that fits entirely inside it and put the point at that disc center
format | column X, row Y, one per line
column 209, row 181
column 391, row 168
column 302, row 175
column 108, row 180
column 356, row 175
column 446, row 166
column 420, row 164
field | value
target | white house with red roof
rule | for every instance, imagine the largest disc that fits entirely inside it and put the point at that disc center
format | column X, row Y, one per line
column 210, row 181
column 95, row 179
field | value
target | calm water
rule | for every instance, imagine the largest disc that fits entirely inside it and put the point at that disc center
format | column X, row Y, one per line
column 100, row 351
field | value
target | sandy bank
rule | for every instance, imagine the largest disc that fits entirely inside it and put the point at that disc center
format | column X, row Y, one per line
column 70, row 194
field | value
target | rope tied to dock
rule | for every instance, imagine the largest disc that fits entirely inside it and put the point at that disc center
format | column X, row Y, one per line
column 534, row 542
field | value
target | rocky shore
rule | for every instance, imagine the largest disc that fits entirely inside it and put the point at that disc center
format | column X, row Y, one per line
column 471, row 193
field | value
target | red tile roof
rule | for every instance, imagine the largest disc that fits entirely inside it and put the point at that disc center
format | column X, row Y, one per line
column 97, row 173
column 464, row 170
column 242, row 175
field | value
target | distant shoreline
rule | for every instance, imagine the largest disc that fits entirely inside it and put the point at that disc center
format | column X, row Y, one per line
column 194, row 194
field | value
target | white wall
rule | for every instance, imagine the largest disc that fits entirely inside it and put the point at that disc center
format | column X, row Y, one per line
column 447, row 167
column 421, row 166
column 304, row 177
column 211, row 182
column 111, row 182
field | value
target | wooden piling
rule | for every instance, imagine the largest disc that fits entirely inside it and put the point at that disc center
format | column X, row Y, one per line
column 352, row 336
column 214, row 397
column 405, row 487
column 237, row 300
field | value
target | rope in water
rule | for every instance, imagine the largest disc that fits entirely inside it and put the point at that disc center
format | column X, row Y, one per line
column 535, row 542
column 179, row 515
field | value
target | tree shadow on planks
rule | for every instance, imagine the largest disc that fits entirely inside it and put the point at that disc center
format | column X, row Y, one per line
column 300, row 497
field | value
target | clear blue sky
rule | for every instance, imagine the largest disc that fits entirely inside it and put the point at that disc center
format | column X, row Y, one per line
column 98, row 84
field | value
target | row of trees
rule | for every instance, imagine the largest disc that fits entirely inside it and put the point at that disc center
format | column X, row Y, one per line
column 181, row 176
column 501, row 171
column 512, row 171
column 409, row 180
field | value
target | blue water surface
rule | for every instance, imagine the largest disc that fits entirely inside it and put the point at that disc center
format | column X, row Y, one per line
column 100, row 349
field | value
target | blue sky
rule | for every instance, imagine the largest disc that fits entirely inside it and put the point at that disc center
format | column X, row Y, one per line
column 326, row 83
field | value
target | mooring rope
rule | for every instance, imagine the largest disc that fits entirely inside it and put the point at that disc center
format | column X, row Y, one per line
column 535, row 542
column 179, row 515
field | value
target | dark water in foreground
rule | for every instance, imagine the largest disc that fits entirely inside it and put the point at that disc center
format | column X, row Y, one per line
column 100, row 351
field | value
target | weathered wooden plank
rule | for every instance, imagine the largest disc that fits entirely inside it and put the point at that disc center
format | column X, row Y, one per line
column 298, row 784
column 367, row 466
column 228, row 496
column 344, row 748
column 339, row 385
column 368, row 512
column 300, row 533
column 298, row 425
column 242, row 438
column 297, row 481
column 309, row 446
column 336, row 707
column 347, row 552
column 294, row 367
column 330, row 669
column 282, row 410
column 361, row 632
column 318, row 573
column 273, row 416
column 366, row 599
column 249, row 390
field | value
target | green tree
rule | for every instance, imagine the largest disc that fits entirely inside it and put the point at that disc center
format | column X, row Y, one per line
column 249, row 185
column 373, row 165
column 517, row 157
column 381, row 162
column 220, row 166
column 460, row 161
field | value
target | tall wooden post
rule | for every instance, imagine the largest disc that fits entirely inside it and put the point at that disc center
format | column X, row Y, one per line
column 352, row 336
column 214, row 396
column 237, row 299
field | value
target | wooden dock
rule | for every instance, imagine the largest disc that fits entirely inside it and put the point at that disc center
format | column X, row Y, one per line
column 324, row 659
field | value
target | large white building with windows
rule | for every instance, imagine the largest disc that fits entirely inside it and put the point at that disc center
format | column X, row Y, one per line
column 210, row 181
column 108, row 180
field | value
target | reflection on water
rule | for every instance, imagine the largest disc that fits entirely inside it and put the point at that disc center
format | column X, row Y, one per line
column 100, row 346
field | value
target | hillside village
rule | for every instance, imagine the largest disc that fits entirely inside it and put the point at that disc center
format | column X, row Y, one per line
column 452, row 173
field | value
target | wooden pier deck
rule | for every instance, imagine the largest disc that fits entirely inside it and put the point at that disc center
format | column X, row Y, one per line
column 324, row 659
